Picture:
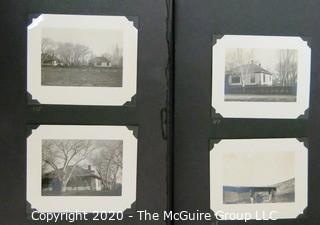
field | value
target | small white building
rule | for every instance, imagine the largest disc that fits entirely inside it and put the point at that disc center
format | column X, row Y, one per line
column 249, row 75
column 101, row 62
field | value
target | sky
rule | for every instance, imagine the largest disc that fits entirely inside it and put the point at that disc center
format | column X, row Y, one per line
column 257, row 168
column 98, row 145
column 267, row 57
column 99, row 41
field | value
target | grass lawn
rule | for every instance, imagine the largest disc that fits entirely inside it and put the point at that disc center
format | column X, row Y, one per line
column 81, row 76
column 259, row 98
column 83, row 193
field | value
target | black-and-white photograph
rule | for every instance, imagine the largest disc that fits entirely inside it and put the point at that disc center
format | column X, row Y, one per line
column 256, row 76
column 81, row 167
column 261, row 178
column 81, row 57
column 266, row 75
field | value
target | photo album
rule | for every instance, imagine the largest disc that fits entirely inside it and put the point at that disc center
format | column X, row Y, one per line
column 160, row 112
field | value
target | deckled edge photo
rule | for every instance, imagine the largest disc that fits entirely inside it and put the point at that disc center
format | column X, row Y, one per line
column 79, row 93
column 286, row 208
column 115, row 202
column 281, row 107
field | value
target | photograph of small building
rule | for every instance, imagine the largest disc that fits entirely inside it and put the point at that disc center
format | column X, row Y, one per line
column 261, row 75
column 81, row 167
column 249, row 75
column 100, row 62
column 70, row 57
column 81, row 179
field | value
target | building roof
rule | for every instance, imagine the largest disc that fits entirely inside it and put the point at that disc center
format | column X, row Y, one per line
column 249, row 68
column 77, row 172
column 101, row 59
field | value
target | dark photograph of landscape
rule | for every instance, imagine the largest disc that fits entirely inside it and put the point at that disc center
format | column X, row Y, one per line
column 81, row 57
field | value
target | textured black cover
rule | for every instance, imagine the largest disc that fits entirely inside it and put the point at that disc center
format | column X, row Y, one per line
column 151, row 103
column 195, row 24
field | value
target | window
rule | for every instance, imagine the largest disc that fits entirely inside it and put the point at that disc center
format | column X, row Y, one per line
column 264, row 78
column 235, row 80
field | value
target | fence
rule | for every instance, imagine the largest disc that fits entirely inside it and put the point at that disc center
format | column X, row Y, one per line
column 261, row 90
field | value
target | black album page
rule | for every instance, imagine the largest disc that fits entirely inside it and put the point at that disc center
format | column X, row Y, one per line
column 85, row 111
column 246, row 111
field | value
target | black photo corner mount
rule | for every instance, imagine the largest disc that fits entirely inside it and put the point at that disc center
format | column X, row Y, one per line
column 304, row 140
column 31, row 100
column 303, row 215
column 131, row 210
column 29, row 210
column 305, row 115
column 216, row 37
column 132, row 101
column 31, row 17
column 215, row 115
column 135, row 20
column 30, row 128
column 135, row 130
column 213, row 142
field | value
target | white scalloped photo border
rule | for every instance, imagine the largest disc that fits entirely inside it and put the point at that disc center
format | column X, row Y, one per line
column 82, row 95
column 260, row 109
column 81, row 203
column 243, row 146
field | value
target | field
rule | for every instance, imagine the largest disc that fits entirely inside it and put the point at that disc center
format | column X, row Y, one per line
column 259, row 98
column 81, row 76
column 83, row 193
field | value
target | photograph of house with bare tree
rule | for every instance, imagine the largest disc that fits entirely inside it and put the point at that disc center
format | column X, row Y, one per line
column 261, row 75
column 81, row 57
column 258, row 177
column 73, row 167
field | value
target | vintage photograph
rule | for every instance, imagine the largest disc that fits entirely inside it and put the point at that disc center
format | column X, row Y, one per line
column 81, row 57
column 255, row 76
column 266, row 75
column 81, row 167
column 257, row 181
column 259, row 176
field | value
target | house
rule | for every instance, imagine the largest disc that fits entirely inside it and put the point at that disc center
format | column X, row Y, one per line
column 81, row 179
column 100, row 62
column 249, row 75
column 49, row 60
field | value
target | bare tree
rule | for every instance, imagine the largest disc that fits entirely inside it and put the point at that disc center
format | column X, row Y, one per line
column 239, row 58
column 287, row 66
column 80, row 52
column 65, row 51
column 64, row 155
column 47, row 48
column 108, row 163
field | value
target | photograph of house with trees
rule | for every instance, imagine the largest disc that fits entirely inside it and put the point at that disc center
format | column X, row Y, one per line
column 82, row 167
column 81, row 57
column 261, row 75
